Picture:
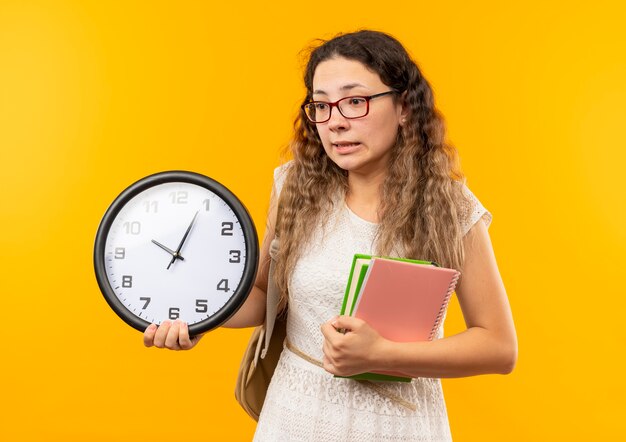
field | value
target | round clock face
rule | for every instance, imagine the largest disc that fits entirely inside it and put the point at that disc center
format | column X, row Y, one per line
column 176, row 245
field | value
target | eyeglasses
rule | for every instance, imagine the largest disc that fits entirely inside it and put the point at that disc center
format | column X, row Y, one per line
column 349, row 107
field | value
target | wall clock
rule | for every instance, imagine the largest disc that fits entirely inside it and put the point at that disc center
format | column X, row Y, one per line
column 176, row 245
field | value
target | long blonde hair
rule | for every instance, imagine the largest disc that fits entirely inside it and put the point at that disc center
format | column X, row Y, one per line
column 422, row 198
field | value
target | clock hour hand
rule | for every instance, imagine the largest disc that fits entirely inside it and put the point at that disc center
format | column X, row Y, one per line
column 168, row 250
column 182, row 241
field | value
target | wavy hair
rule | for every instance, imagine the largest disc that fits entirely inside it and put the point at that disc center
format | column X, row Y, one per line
column 422, row 202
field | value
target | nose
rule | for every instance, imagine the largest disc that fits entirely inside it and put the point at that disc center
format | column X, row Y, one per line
column 337, row 121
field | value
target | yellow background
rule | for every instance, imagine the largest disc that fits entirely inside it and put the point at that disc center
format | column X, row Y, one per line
column 95, row 95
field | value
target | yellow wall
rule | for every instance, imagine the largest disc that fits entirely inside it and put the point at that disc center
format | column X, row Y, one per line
column 94, row 95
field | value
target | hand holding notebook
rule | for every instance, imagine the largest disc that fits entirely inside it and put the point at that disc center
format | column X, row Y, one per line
column 403, row 300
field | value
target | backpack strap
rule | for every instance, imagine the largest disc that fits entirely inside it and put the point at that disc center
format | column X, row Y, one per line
column 273, row 296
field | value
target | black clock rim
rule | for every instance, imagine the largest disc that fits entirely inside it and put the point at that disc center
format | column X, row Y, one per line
column 247, row 224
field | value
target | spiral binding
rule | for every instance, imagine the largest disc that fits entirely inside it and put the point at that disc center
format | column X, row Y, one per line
column 444, row 304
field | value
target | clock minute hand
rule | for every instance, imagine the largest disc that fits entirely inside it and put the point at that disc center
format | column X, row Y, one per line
column 182, row 241
column 167, row 249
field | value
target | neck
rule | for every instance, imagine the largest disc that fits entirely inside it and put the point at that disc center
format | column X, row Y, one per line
column 364, row 193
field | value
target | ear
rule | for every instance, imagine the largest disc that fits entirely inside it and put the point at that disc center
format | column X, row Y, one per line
column 404, row 108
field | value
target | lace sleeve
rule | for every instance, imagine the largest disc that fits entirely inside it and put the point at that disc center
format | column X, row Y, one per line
column 280, row 173
column 475, row 211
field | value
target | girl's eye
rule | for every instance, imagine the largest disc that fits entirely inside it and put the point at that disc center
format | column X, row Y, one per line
column 357, row 101
column 321, row 106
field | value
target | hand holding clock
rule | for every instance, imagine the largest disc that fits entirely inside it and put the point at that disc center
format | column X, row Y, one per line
column 171, row 335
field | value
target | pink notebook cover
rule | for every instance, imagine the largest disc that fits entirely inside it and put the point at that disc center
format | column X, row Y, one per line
column 405, row 302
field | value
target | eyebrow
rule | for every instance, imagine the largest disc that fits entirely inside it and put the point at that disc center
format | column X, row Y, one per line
column 347, row 87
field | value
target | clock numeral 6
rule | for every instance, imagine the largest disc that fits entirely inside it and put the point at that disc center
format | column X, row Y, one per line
column 174, row 313
column 202, row 305
column 223, row 285
column 227, row 229
column 235, row 256
column 120, row 253
column 127, row 281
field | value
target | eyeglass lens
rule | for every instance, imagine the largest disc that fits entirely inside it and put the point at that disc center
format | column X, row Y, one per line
column 350, row 107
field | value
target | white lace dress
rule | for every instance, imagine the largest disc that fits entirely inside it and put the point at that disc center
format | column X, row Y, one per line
column 306, row 403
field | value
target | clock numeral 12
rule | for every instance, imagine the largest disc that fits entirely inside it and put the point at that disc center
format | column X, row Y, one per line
column 179, row 197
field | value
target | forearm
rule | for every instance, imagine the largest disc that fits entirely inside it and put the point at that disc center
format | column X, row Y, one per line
column 251, row 313
column 473, row 352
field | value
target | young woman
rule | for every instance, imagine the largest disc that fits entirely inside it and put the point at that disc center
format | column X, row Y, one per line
column 371, row 174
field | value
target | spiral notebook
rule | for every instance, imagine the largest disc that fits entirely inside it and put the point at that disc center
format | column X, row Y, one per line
column 403, row 300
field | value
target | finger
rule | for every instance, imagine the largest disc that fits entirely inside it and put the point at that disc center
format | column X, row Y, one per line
column 328, row 330
column 171, row 340
column 345, row 322
column 161, row 334
column 326, row 348
column 329, row 352
column 148, row 335
column 323, row 329
column 328, row 366
column 184, row 340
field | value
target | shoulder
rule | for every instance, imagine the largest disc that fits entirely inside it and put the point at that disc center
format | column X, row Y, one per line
column 472, row 211
column 280, row 174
